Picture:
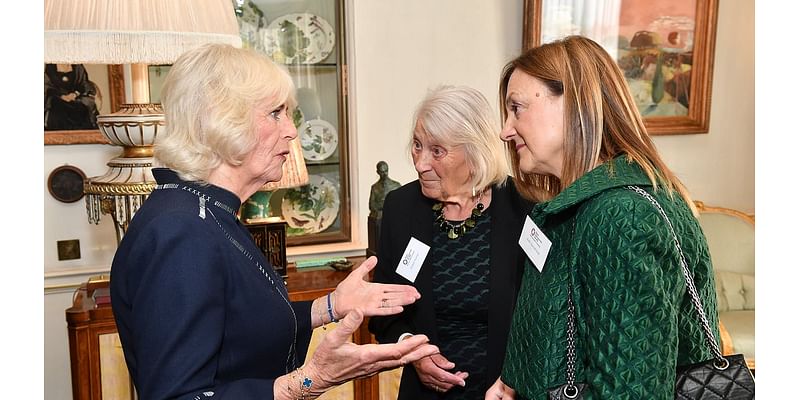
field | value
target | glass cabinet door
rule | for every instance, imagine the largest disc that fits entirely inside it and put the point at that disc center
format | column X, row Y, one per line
column 307, row 36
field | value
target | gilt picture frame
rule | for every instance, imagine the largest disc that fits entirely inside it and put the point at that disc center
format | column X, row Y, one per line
column 665, row 48
column 112, row 90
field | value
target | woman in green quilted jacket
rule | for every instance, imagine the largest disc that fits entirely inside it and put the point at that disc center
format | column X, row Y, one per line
column 577, row 141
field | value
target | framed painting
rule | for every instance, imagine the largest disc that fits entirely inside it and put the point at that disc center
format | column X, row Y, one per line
column 665, row 49
column 74, row 94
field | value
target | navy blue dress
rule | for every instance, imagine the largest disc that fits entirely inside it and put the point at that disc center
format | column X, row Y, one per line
column 196, row 316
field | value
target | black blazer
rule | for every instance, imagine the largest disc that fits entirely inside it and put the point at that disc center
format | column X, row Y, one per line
column 408, row 213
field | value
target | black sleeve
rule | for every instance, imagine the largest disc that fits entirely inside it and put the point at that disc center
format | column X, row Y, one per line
column 390, row 248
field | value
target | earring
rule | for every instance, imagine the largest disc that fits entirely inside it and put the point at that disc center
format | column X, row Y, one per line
column 473, row 191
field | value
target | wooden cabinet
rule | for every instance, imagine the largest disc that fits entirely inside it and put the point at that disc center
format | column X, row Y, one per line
column 98, row 365
column 96, row 359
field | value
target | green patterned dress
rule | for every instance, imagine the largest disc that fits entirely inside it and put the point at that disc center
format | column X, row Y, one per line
column 635, row 322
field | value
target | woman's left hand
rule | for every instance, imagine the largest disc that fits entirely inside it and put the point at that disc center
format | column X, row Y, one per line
column 355, row 292
column 500, row 390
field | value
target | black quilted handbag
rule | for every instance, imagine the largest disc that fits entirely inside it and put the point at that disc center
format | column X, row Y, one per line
column 722, row 377
column 711, row 379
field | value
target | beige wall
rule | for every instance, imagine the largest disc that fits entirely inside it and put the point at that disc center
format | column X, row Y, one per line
column 468, row 42
column 398, row 50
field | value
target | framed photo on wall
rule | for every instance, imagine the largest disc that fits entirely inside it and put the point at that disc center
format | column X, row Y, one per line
column 665, row 49
column 73, row 96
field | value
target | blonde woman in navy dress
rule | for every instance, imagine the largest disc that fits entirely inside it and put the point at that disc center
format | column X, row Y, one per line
column 200, row 311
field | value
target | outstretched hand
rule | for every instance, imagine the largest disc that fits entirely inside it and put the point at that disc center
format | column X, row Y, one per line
column 356, row 292
column 338, row 360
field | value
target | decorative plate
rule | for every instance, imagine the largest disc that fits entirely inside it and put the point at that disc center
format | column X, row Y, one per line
column 318, row 139
column 65, row 183
column 302, row 38
column 311, row 208
column 297, row 117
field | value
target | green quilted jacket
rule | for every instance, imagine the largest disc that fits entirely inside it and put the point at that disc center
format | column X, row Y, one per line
column 635, row 322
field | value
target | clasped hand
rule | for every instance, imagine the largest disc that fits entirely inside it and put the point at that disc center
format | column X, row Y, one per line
column 433, row 373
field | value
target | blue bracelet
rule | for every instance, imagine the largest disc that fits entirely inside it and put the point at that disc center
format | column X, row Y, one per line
column 330, row 309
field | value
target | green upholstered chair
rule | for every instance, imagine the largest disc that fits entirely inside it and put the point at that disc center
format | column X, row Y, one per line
column 731, row 240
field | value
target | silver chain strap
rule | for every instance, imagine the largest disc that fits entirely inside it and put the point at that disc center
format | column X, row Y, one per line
column 690, row 287
column 571, row 354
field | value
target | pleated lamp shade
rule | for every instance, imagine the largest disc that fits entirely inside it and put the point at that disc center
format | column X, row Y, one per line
column 134, row 31
column 257, row 209
column 295, row 173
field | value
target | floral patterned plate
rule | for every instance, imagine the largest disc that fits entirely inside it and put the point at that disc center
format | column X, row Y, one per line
column 311, row 208
column 318, row 139
column 302, row 38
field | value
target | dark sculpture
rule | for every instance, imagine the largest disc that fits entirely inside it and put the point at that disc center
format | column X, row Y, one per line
column 380, row 189
column 377, row 195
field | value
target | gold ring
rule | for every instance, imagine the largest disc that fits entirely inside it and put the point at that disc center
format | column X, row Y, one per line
column 383, row 303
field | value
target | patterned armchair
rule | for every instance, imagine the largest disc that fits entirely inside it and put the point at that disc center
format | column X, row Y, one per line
column 731, row 241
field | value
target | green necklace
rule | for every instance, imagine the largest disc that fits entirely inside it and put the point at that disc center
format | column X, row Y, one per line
column 454, row 231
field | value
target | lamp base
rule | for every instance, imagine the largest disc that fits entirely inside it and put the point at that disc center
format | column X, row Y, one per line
column 133, row 124
column 121, row 190
column 256, row 209
column 129, row 179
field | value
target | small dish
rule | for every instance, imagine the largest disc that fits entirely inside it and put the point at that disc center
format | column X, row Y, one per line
column 341, row 265
column 319, row 139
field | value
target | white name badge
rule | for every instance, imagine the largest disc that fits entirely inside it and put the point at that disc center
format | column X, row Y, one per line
column 535, row 243
column 412, row 259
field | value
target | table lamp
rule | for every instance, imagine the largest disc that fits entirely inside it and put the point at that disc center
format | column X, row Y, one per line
column 269, row 232
column 139, row 33
column 256, row 209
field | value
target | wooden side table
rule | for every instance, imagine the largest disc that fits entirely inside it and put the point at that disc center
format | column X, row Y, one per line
column 96, row 358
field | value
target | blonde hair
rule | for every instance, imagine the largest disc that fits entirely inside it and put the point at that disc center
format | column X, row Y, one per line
column 601, row 120
column 461, row 116
column 210, row 97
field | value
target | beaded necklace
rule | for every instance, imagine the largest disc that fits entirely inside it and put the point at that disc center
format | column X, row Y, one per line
column 291, row 358
column 454, row 231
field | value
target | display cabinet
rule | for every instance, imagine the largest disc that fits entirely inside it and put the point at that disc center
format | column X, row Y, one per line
column 308, row 37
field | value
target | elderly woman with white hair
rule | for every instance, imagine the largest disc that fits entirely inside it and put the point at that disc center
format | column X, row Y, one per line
column 201, row 313
column 453, row 234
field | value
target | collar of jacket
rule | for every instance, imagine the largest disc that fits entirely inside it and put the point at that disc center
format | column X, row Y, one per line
column 614, row 173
